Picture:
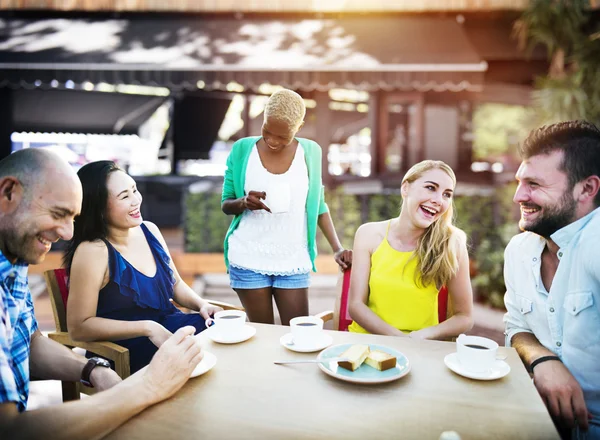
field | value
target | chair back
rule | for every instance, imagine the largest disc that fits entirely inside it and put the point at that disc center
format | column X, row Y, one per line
column 57, row 282
column 342, row 319
column 443, row 304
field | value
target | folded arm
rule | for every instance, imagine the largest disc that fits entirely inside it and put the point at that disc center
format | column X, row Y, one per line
column 461, row 295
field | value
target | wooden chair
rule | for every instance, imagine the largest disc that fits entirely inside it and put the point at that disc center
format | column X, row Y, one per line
column 341, row 318
column 57, row 283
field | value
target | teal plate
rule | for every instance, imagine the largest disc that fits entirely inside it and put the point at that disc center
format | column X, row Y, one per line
column 364, row 373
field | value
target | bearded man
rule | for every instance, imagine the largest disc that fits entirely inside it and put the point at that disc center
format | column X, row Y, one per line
column 552, row 273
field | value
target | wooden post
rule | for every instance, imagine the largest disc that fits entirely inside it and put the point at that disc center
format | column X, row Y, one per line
column 379, row 127
column 6, row 124
column 413, row 152
column 420, row 126
column 465, row 135
column 70, row 391
column 323, row 132
column 246, row 115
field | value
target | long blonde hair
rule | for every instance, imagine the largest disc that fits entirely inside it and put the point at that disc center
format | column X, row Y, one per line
column 437, row 249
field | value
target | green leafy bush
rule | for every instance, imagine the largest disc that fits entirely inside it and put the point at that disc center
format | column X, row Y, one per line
column 488, row 283
column 205, row 224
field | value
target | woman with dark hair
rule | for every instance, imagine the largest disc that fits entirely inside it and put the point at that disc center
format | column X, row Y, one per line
column 121, row 275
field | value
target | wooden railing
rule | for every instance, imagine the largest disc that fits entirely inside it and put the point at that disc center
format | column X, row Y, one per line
column 53, row 260
column 189, row 265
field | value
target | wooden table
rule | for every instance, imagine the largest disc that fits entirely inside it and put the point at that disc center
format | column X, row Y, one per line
column 246, row 396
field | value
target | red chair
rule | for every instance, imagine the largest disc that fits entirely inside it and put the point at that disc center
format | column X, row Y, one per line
column 341, row 318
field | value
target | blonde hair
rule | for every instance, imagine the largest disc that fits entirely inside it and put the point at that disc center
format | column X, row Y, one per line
column 438, row 247
column 286, row 106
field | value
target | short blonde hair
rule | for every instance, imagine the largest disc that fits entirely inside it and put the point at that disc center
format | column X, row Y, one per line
column 286, row 106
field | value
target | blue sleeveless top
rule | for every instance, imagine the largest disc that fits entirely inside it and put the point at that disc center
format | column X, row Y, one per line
column 130, row 295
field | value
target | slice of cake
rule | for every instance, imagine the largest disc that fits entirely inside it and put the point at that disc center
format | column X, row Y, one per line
column 380, row 360
column 356, row 355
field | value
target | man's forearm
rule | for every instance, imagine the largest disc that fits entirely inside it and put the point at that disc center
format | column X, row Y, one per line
column 90, row 418
column 51, row 360
column 529, row 348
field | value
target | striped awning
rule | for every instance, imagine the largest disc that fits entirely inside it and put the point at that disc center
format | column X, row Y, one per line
column 366, row 53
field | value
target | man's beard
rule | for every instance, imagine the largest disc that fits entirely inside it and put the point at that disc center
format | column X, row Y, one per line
column 23, row 247
column 20, row 241
column 552, row 218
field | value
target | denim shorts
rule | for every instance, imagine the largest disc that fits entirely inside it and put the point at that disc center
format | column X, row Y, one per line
column 248, row 279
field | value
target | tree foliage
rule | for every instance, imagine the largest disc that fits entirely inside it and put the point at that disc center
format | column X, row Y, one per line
column 570, row 32
column 498, row 128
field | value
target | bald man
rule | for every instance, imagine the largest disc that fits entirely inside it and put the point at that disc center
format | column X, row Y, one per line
column 40, row 195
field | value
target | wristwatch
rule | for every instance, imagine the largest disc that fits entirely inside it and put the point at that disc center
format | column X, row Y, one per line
column 87, row 370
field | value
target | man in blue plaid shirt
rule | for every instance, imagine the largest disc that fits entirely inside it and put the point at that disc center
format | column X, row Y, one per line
column 40, row 195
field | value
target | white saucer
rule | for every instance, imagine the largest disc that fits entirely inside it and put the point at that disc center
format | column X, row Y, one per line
column 500, row 369
column 208, row 361
column 247, row 332
column 324, row 341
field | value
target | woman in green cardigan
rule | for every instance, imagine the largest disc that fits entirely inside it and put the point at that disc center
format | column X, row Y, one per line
column 273, row 187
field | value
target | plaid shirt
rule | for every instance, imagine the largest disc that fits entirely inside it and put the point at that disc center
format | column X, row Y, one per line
column 17, row 324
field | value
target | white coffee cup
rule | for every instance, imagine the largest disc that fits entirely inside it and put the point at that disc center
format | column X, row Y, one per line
column 278, row 197
column 229, row 323
column 475, row 353
column 306, row 330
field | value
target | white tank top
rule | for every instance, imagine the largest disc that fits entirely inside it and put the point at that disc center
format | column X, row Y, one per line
column 274, row 243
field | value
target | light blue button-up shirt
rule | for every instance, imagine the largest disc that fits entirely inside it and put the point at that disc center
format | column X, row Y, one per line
column 566, row 320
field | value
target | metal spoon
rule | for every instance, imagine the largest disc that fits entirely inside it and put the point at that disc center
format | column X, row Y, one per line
column 311, row 361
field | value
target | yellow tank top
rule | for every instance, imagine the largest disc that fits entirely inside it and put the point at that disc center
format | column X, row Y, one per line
column 394, row 295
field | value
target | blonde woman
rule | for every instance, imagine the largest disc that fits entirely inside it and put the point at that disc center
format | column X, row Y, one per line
column 273, row 187
column 400, row 264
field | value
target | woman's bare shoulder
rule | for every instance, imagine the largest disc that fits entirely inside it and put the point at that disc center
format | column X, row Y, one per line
column 152, row 227
column 91, row 251
column 374, row 227
column 372, row 233
column 459, row 236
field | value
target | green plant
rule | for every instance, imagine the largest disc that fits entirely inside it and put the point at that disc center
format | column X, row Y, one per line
column 205, row 223
column 489, row 222
column 498, row 128
column 566, row 28
column 489, row 282
column 346, row 215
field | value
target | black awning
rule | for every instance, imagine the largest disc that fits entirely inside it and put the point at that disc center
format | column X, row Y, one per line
column 81, row 111
column 369, row 53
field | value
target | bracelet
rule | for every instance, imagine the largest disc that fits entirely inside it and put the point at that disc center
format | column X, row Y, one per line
column 543, row 359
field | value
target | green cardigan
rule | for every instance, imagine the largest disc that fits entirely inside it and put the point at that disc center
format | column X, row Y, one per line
column 235, row 178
